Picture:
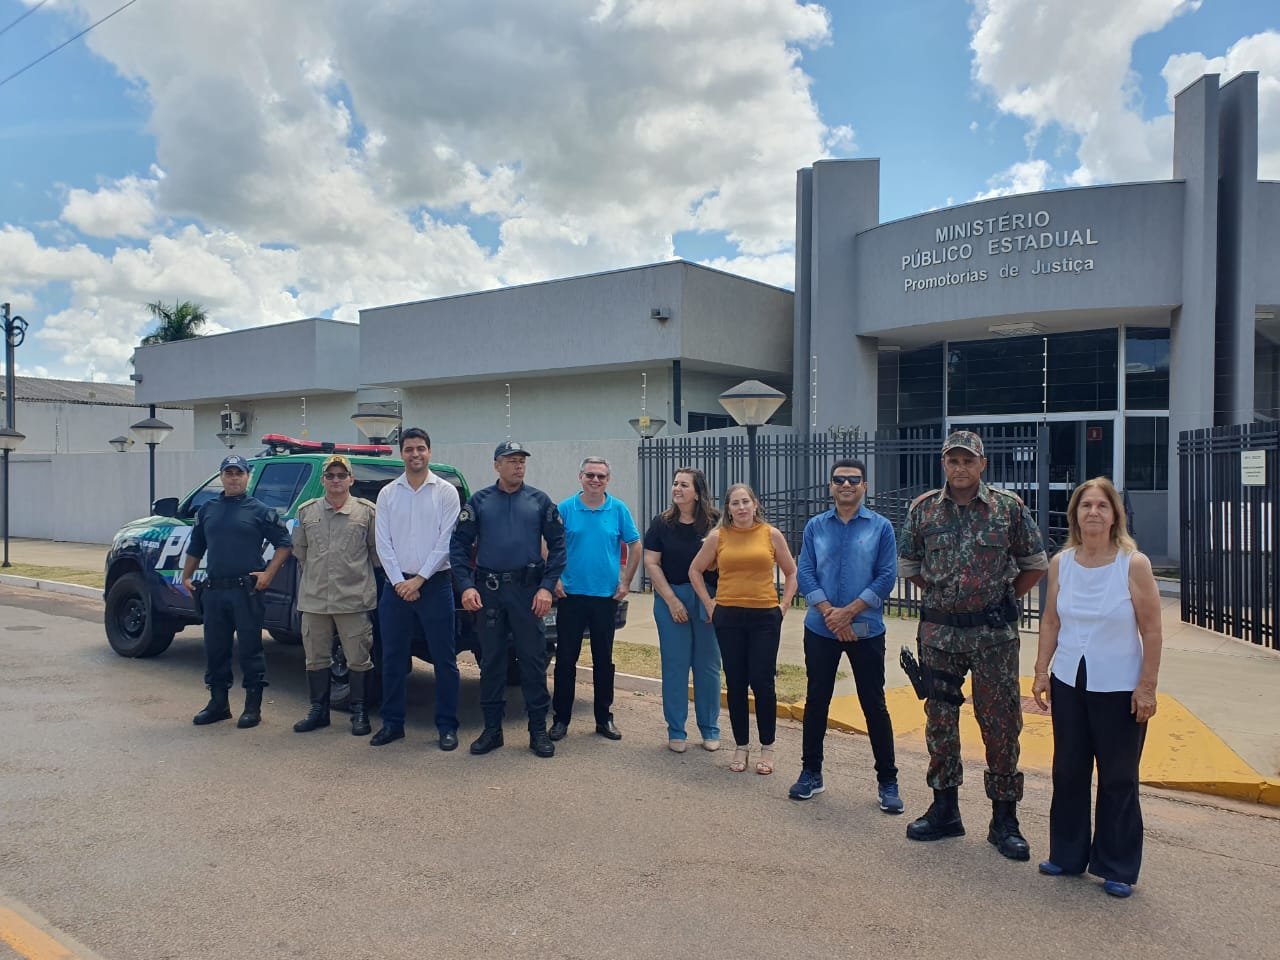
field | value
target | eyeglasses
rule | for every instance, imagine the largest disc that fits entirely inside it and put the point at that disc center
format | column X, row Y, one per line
column 595, row 476
column 841, row 481
column 336, row 476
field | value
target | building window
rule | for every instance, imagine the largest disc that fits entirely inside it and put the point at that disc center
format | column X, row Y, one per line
column 1082, row 371
column 1146, row 369
column 1266, row 370
column 920, row 385
column 996, row 376
column 708, row 421
column 1146, row 453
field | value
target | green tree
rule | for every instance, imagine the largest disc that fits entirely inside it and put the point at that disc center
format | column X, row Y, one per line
column 182, row 321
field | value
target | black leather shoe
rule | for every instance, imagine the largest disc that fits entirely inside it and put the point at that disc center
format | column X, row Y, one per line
column 541, row 744
column 609, row 730
column 1004, row 834
column 558, row 730
column 942, row 819
column 489, row 739
column 218, row 708
column 386, row 735
column 359, row 713
column 252, row 715
column 449, row 740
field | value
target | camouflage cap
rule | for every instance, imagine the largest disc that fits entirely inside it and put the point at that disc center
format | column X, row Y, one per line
column 964, row 440
column 336, row 460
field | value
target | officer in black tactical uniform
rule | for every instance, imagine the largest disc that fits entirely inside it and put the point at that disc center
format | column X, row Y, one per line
column 509, row 586
column 232, row 528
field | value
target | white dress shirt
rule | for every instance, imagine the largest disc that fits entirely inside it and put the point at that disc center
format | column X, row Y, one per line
column 413, row 527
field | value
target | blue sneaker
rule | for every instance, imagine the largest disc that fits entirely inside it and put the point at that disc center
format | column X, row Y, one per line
column 890, row 802
column 1118, row 888
column 810, row 783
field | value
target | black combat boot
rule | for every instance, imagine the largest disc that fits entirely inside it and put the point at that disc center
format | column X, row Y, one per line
column 540, row 743
column 252, row 715
column 318, row 715
column 942, row 819
column 490, row 739
column 359, row 713
column 1004, row 832
column 216, row 709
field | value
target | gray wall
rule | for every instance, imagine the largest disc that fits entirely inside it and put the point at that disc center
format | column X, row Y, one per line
column 582, row 324
column 303, row 357
column 58, row 427
column 98, row 492
column 1268, row 277
column 328, row 417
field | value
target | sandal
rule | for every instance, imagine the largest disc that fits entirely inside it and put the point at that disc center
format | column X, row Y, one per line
column 740, row 757
column 764, row 766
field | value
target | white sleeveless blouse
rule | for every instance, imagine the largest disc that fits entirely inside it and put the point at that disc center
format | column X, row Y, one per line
column 1098, row 624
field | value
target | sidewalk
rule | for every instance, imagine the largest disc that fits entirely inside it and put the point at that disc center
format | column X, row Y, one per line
column 1217, row 729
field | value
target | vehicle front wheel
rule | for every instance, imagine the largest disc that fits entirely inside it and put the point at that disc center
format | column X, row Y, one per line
column 133, row 629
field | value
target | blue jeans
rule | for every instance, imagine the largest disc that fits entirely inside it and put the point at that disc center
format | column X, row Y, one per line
column 431, row 616
column 684, row 646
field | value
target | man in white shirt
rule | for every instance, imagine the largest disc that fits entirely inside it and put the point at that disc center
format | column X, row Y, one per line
column 416, row 515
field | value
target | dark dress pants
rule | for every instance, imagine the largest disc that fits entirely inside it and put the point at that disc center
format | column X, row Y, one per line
column 233, row 612
column 866, row 658
column 1088, row 729
column 508, row 611
column 576, row 614
column 400, row 622
column 748, row 641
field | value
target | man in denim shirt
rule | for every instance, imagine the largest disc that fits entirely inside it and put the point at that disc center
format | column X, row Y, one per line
column 846, row 570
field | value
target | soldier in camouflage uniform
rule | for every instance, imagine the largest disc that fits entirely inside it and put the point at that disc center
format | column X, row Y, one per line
column 972, row 550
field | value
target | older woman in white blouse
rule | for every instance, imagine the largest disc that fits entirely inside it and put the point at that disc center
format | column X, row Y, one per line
column 1101, row 630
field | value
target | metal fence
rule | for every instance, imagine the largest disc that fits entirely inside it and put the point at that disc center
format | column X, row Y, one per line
column 792, row 470
column 1230, row 578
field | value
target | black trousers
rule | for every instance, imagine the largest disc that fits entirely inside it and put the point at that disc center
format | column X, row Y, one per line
column 866, row 657
column 575, row 614
column 233, row 612
column 748, row 641
column 1095, row 729
column 508, row 612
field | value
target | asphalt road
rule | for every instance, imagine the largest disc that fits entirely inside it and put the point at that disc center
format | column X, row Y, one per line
column 141, row 836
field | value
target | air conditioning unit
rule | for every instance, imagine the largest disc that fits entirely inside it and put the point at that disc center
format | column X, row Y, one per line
column 234, row 421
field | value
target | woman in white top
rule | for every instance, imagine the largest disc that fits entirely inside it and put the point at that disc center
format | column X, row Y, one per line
column 1101, row 629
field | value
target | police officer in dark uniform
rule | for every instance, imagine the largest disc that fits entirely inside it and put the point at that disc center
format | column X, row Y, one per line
column 509, row 585
column 232, row 528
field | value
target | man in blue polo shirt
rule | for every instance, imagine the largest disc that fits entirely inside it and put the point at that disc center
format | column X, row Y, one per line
column 596, row 525
column 846, row 570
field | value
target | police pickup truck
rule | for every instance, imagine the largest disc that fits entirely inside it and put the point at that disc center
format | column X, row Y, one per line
column 145, row 602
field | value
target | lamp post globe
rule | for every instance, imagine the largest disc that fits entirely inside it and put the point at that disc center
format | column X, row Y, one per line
column 152, row 432
column 751, row 404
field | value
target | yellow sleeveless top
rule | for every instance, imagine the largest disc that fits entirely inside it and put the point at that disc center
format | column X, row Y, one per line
column 745, row 561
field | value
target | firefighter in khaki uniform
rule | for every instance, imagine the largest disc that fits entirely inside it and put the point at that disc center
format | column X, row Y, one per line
column 973, row 550
column 334, row 544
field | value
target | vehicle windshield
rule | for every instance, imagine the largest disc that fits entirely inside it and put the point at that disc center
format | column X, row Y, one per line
column 209, row 491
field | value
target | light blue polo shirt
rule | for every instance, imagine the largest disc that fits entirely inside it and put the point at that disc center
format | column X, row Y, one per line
column 593, row 539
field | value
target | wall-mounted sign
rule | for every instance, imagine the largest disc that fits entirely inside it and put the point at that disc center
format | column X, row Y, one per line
column 1253, row 468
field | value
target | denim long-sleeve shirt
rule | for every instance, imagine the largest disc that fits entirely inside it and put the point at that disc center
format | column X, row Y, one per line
column 841, row 562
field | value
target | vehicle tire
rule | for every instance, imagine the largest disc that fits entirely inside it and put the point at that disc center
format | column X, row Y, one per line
column 288, row 639
column 133, row 629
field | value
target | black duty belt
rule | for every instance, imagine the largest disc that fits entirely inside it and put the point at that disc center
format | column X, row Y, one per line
column 230, row 583
column 995, row 616
column 527, row 576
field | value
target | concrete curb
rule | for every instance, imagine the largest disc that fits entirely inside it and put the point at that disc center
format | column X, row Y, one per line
column 51, row 586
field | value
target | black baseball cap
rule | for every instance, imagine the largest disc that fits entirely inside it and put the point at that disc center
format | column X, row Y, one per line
column 234, row 462
column 508, row 448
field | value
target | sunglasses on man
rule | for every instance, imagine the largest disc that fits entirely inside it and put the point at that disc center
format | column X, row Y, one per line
column 851, row 481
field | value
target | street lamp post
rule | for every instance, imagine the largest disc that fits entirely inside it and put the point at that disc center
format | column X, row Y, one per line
column 751, row 404
column 15, row 331
column 151, row 432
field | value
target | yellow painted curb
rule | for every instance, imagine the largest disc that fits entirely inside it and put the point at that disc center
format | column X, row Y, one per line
column 1181, row 752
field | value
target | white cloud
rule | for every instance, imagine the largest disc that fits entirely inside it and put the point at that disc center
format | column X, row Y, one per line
column 1027, row 176
column 360, row 138
column 123, row 209
column 1069, row 66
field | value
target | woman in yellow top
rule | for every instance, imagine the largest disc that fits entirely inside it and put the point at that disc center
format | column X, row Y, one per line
column 747, row 615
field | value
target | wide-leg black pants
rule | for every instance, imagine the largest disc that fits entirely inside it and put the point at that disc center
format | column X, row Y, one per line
column 1095, row 729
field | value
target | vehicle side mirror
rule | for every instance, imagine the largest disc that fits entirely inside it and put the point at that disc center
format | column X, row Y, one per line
column 165, row 507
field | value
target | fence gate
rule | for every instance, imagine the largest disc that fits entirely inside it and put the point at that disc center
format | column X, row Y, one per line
column 1230, row 526
column 791, row 472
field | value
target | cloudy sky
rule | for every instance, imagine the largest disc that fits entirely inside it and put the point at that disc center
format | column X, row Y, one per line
column 274, row 160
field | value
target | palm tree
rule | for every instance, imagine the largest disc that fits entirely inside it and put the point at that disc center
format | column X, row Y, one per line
column 182, row 321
